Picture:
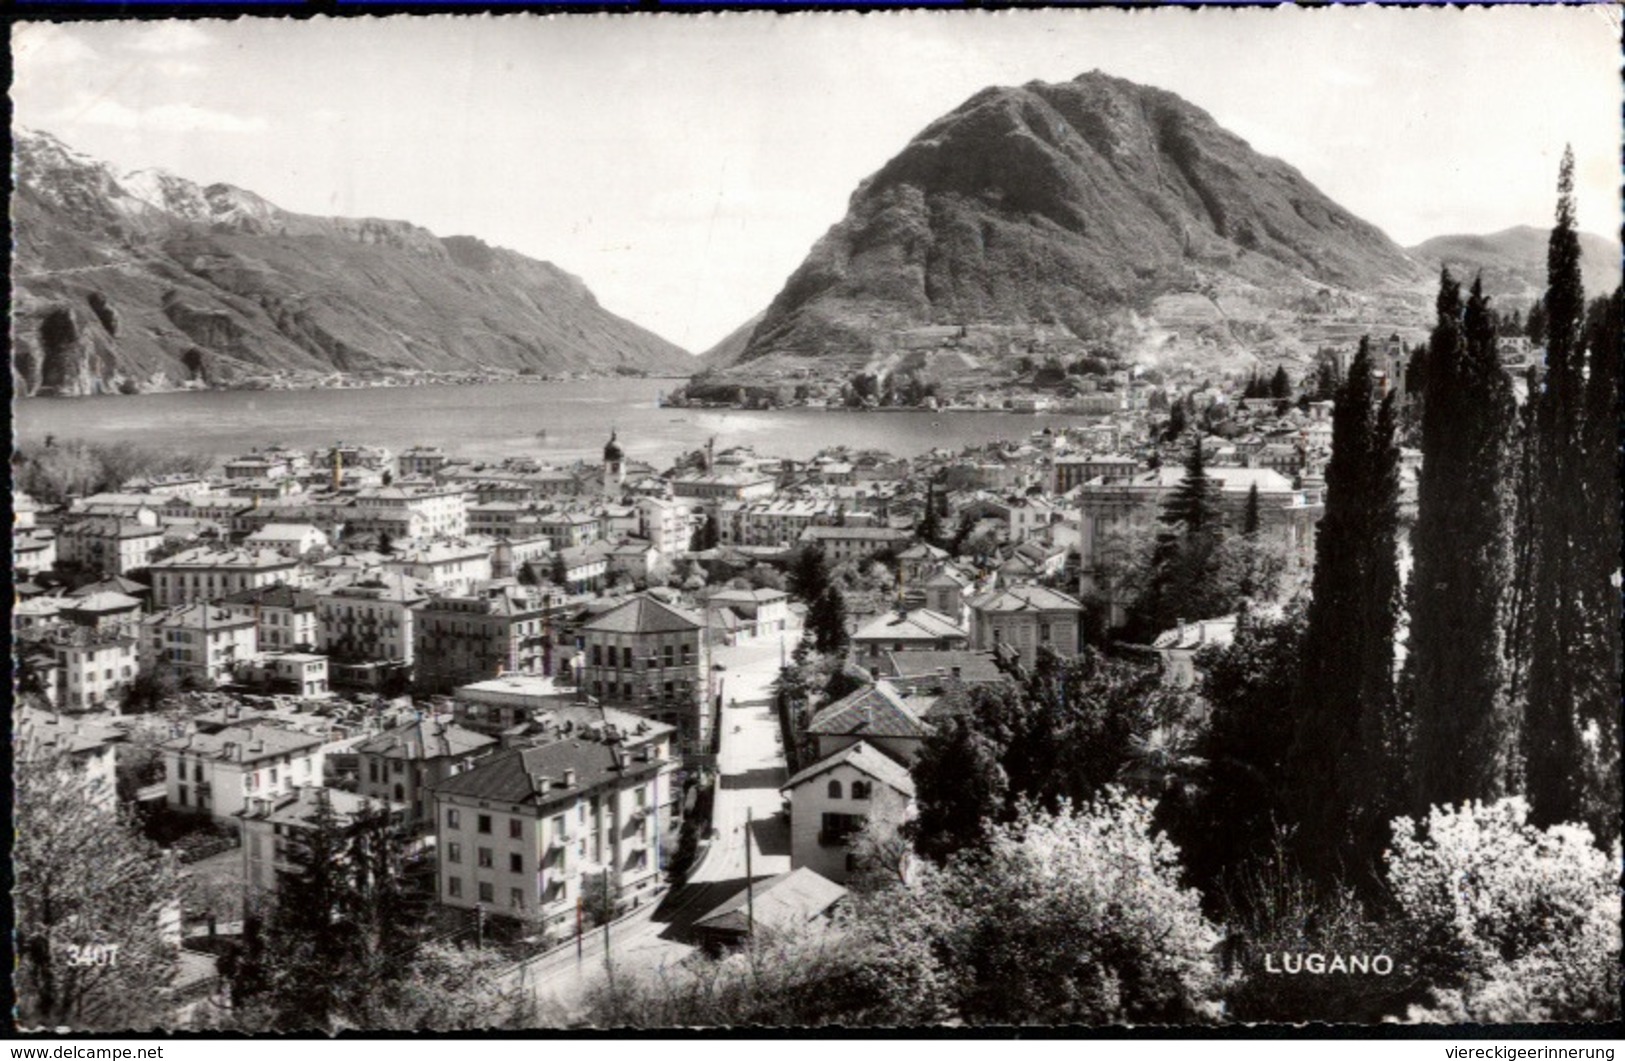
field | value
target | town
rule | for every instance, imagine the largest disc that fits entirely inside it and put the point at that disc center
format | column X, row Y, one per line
column 593, row 648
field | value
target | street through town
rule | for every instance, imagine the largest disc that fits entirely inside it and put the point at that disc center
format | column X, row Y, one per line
column 745, row 816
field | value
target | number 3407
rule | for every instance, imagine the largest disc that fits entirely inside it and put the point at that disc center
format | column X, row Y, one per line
column 93, row 954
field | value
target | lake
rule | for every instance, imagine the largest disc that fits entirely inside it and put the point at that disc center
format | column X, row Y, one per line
column 497, row 420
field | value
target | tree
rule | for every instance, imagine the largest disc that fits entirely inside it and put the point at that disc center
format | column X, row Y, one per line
column 1570, row 734
column 154, row 688
column 809, row 573
column 827, row 619
column 1078, row 916
column 707, row 535
column 1341, row 770
column 344, row 927
column 86, row 880
column 1186, row 561
column 1508, row 922
column 1456, row 667
column 558, row 571
column 930, row 530
column 960, row 789
column 1177, row 420
column 1230, row 818
column 1281, row 384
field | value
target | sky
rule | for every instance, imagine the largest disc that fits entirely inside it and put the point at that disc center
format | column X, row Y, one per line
column 684, row 165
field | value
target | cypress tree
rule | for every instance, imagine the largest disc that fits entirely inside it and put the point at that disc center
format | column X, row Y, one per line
column 1457, row 668
column 1599, row 564
column 1560, row 514
column 1339, row 766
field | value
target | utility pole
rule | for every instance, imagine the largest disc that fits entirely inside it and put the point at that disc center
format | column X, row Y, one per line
column 608, row 912
column 750, row 882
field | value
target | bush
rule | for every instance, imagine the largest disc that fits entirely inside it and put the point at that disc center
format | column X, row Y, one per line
column 1080, row 918
column 1510, row 922
column 1274, row 910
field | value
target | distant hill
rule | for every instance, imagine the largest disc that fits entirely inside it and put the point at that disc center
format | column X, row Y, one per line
column 1513, row 262
column 732, row 347
column 144, row 280
column 1056, row 216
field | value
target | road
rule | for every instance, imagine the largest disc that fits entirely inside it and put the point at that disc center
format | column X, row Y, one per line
column 751, row 765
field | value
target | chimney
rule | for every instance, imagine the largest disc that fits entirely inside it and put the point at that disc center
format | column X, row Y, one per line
column 1181, row 631
column 955, row 670
column 569, row 777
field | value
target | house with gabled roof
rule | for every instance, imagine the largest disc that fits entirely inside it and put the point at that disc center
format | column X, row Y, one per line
column 878, row 714
column 904, row 630
column 832, row 800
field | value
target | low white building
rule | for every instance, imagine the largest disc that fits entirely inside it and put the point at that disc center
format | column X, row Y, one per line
column 831, row 800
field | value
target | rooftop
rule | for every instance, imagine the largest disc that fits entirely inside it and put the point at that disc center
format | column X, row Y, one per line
column 877, row 710
column 643, row 614
column 425, row 739
column 779, row 903
column 919, row 624
column 244, row 744
column 1025, row 599
column 863, row 758
column 537, row 775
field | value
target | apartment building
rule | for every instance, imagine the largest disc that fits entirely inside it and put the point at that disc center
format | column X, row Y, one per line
column 370, row 621
column 520, row 833
column 219, row 773
column 209, row 574
column 650, row 657
column 205, row 640
column 402, row 764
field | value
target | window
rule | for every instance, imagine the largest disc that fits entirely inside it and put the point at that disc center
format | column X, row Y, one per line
column 516, row 863
column 400, row 767
column 558, row 824
column 182, row 795
column 516, row 828
column 485, row 858
column 487, row 892
column 197, row 771
column 516, row 898
column 597, row 655
column 454, row 852
column 1043, row 632
column 400, row 793
column 626, row 656
column 834, row 790
column 485, row 824
column 372, row 770
column 837, row 828
column 666, row 655
column 453, row 819
column 454, row 887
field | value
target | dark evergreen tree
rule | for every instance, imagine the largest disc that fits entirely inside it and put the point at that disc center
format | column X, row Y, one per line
column 1177, row 421
column 827, row 618
column 1281, row 384
column 1565, row 642
column 931, row 523
column 1339, row 777
column 1186, row 560
column 960, row 786
column 1457, row 669
column 809, row 573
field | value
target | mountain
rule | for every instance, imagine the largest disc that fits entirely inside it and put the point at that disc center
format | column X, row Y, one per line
column 1513, row 262
column 134, row 281
column 732, row 346
column 1092, row 214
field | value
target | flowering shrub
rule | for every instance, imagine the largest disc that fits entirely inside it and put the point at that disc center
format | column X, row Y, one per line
column 1079, row 917
column 1510, row 922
